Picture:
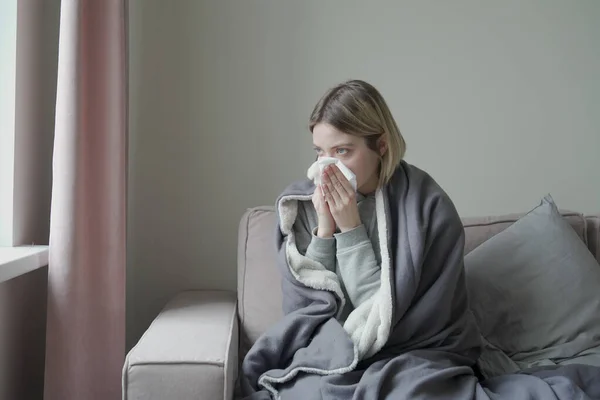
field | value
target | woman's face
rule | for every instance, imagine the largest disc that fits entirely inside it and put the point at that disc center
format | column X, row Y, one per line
column 352, row 151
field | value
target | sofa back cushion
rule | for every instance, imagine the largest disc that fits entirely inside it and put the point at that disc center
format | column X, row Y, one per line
column 480, row 229
column 259, row 288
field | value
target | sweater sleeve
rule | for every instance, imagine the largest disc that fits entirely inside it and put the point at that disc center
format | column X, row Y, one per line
column 358, row 265
column 322, row 250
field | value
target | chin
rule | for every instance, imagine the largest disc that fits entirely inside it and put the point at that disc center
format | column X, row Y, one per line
column 361, row 188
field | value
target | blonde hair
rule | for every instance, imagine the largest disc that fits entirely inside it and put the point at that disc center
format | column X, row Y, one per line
column 356, row 108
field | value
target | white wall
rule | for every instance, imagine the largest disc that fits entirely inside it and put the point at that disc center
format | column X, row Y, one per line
column 28, row 68
column 23, row 335
column 499, row 102
column 35, row 100
column 8, row 78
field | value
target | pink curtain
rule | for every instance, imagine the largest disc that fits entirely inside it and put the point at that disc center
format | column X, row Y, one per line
column 85, row 345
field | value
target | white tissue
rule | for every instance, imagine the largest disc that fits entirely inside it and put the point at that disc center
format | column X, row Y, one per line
column 316, row 170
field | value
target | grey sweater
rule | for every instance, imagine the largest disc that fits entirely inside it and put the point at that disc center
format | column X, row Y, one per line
column 354, row 255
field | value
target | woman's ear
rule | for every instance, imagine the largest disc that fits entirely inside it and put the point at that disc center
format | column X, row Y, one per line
column 381, row 146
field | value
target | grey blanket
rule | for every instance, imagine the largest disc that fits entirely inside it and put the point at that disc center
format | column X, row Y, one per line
column 415, row 339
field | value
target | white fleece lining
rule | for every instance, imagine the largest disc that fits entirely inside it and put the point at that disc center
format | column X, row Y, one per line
column 311, row 273
column 369, row 324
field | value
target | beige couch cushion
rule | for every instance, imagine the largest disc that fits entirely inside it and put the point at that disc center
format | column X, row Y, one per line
column 259, row 289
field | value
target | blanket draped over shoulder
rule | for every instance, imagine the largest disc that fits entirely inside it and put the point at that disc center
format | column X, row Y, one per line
column 415, row 338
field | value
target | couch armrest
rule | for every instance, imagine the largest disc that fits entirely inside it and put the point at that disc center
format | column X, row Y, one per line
column 188, row 352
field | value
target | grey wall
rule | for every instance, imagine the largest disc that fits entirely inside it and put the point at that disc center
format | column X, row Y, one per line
column 23, row 335
column 499, row 102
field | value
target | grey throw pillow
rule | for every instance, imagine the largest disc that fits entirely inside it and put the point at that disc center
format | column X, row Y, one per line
column 534, row 290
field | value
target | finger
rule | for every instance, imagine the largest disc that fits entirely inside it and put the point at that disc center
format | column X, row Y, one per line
column 326, row 192
column 332, row 192
column 345, row 183
column 319, row 200
column 316, row 197
column 324, row 203
column 321, row 191
column 338, row 185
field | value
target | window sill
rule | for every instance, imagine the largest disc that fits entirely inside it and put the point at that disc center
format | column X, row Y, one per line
column 16, row 261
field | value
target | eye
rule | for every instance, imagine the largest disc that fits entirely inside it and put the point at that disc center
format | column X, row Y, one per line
column 318, row 150
column 342, row 151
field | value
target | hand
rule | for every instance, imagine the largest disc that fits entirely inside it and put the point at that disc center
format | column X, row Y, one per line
column 341, row 198
column 326, row 222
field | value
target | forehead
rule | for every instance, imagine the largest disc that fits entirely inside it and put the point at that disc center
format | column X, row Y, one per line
column 325, row 135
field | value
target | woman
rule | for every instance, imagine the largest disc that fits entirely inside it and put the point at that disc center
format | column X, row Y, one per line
column 352, row 123
column 374, row 295
column 373, row 284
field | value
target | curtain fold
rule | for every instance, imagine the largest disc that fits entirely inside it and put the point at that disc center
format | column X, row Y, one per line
column 85, row 343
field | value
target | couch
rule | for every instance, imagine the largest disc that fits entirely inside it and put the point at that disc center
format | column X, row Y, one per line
column 193, row 349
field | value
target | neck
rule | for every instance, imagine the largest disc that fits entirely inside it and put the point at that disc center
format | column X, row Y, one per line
column 370, row 186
